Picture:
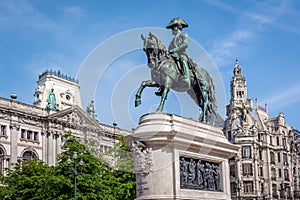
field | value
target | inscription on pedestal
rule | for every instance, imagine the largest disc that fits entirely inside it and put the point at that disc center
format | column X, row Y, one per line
column 199, row 174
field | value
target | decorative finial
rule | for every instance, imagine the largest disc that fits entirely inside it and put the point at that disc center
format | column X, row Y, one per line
column 256, row 103
column 237, row 61
column 13, row 96
column 266, row 107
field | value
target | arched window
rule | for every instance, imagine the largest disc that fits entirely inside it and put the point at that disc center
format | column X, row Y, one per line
column 28, row 155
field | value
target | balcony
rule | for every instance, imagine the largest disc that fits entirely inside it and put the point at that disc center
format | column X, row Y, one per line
column 297, row 194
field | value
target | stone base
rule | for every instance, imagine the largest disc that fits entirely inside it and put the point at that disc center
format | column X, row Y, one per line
column 178, row 158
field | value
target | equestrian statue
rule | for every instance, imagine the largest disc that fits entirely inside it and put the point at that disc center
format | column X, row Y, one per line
column 174, row 69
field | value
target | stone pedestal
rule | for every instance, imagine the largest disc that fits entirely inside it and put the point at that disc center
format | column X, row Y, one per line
column 178, row 158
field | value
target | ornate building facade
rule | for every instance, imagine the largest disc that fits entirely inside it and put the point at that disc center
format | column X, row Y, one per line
column 32, row 131
column 268, row 164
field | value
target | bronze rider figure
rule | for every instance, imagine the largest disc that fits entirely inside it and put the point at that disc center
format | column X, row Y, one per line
column 177, row 49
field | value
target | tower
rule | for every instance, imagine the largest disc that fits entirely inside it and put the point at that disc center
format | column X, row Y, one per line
column 240, row 105
column 65, row 88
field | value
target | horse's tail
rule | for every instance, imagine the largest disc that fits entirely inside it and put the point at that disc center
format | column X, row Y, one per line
column 203, row 76
column 212, row 105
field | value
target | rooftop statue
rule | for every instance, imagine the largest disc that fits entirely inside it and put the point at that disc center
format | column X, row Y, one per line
column 51, row 105
column 174, row 69
column 90, row 110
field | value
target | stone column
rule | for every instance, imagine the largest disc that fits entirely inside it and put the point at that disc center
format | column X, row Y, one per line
column 54, row 148
column 58, row 143
column 44, row 146
column 14, row 135
column 178, row 158
column 50, row 149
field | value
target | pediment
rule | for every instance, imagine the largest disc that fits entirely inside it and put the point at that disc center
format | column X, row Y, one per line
column 75, row 117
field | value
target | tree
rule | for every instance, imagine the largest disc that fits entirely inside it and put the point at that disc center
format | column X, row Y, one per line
column 35, row 180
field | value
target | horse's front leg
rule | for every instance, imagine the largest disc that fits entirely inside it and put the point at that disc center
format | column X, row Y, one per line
column 149, row 83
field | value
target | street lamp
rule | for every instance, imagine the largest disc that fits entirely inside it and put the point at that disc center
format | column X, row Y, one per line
column 114, row 136
column 114, row 141
column 238, row 188
column 75, row 172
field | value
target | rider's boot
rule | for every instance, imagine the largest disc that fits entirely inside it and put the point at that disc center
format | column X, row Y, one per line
column 186, row 72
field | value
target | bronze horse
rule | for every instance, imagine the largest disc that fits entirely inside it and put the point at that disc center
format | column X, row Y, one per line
column 166, row 75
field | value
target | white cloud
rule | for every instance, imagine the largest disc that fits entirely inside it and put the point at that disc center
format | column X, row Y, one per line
column 284, row 99
column 74, row 11
column 22, row 15
column 252, row 20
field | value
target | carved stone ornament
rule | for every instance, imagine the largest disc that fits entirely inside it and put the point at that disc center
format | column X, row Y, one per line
column 3, row 115
column 142, row 158
column 73, row 119
column 29, row 121
column 199, row 174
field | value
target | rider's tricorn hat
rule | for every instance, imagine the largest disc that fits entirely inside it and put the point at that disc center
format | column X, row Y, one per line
column 177, row 21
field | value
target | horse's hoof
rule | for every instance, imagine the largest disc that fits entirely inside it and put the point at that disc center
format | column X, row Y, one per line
column 137, row 102
column 159, row 109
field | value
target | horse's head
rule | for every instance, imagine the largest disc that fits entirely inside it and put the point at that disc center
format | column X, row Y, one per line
column 153, row 48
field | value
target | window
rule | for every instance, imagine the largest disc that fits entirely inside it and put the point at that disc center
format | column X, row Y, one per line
column 272, row 157
column 247, row 169
column 68, row 97
column 28, row 137
column 232, row 171
column 271, row 140
column 246, row 152
column 233, row 187
column 279, row 173
column 260, row 154
column 273, row 174
column 28, row 155
column 35, row 136
column 274, row 191
column 23, row 133
column 261, row 171
column 248, row 187
column 286, row 175
column 277, row 139
column 278, row 157
column 3, row 130
column 284, row 143
column 285, row 159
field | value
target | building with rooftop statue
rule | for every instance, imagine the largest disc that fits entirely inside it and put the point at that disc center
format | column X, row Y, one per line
column 268, row 164
column 35, row 131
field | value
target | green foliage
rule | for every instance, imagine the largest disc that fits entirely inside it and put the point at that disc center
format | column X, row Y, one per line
column 35, row 180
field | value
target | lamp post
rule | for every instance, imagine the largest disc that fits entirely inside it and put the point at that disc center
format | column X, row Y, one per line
column 238, row 188
column 75, row 172
column 114, row 136
column 114, row 140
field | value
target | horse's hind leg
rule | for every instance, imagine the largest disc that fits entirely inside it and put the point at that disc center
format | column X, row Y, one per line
column 149, row 83
column 163, row 99
column 204, row 107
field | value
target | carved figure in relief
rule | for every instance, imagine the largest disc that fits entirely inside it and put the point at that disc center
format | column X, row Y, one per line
column 210, row 177
column 192, row 171
column 184, row 171
column 217, row 174
column 200, row 171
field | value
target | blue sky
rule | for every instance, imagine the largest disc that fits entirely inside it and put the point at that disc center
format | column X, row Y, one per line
column 263, row 35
